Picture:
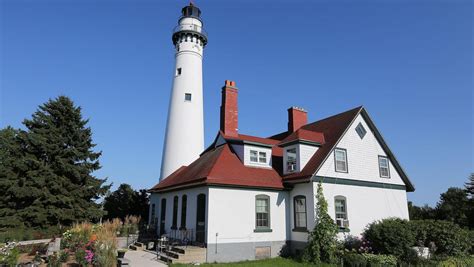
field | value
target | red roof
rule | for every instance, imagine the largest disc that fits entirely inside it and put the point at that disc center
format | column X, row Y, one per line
column 219, row 165
column 304, row 135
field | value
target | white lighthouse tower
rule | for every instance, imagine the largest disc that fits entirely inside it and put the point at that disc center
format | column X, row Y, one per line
column 184, row 139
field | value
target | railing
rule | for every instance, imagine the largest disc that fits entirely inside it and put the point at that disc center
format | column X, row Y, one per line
column 185, row 237
column 190, row 28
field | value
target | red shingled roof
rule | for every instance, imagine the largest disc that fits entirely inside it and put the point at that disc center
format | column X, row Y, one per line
column 304, row 135
column 219, row 165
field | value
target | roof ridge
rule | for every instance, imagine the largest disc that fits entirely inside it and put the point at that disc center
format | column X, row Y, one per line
column 333, row 116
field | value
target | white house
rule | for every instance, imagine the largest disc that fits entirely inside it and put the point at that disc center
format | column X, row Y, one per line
column 248, row 197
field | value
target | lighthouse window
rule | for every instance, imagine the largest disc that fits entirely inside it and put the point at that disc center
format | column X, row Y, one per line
column 187, row 97
column 178, row 71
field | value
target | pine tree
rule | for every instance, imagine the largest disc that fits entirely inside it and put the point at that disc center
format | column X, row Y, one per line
column 58, row 186
column 470, row 186
column 322, row 245
column 10, row 168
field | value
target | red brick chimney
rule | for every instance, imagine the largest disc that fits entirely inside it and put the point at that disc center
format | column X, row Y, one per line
column 297, row 117
column 229, row 110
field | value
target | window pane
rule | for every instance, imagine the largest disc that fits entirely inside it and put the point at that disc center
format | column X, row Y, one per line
column 300, row 220
column 300, row 205
column 253, row 156
column 262, row 157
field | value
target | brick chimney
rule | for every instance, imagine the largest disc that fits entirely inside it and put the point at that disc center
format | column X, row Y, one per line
column 297, row 117
column 229, row 110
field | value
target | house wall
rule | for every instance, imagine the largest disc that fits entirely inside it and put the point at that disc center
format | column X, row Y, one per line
column 231, row 235
column 365, row 204
column 305, row 154
column 191, row 207
column 362, row 158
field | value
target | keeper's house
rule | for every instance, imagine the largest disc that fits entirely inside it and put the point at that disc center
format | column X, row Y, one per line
column 250, row 197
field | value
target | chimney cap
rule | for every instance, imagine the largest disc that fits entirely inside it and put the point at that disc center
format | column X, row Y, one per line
column 298, row 108
column 229, row 83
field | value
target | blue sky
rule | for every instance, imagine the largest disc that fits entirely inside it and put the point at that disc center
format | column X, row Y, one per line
column 408, row 62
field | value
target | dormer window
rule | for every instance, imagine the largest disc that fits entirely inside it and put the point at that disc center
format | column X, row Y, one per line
column 258, row 156
column 291, row 160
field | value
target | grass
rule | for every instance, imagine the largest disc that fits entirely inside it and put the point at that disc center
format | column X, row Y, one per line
column 274, row 262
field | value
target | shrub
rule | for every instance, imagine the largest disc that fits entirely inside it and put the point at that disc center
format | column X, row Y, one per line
column 442, row 237
column 457, row 262
column 380, row 260
column 9, row 254
column 353, row 259
column 390, row 236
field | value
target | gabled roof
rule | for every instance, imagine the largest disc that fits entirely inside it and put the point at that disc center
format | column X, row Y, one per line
column 219, row 165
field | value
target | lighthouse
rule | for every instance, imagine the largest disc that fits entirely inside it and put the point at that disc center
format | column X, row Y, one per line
column 184, row 139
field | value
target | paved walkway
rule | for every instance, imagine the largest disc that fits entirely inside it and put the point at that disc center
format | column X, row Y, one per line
column 140, row 258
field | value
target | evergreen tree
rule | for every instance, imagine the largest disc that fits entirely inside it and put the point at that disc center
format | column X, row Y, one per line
column 57, row 187
column 322, row 243
column 10, row 168
column 470, row 186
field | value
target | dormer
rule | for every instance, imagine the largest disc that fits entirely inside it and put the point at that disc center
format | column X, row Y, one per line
column 252, row 151
column 301, row 144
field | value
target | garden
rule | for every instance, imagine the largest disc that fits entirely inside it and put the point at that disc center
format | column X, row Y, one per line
column 84, row 244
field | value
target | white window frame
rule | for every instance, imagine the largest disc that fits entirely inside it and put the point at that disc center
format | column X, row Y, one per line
column 262, row 157
column 381, row 158
column 346, row 164
column 345, row 216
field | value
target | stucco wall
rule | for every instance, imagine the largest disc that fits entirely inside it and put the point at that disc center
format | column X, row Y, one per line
column 231, row 220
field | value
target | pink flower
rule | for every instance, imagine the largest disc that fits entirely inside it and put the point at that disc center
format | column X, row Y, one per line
column 89, row 256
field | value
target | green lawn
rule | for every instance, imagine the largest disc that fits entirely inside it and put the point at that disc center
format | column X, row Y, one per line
column 275, row 262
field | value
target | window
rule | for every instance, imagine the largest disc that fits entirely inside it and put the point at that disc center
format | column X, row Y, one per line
column 253, row 156
column 291, row 160
column 340, row 156
column 153, row 217
column 187, row 97
column 300, row 212
column 361, row 130
column 340, row 205
column 262, row 157
column 184, row 200
column 383, row 167
column 262, row 212
column 178, row 71
column 175, row 213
